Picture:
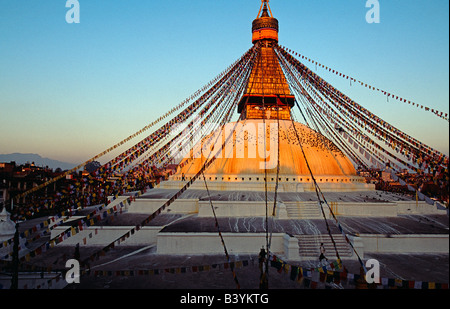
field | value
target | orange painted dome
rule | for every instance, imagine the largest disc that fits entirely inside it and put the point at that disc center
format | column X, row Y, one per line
column 244, row 153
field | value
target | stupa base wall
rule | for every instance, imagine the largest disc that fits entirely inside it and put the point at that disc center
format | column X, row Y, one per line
column 210, row 243
column 238, row 184
column 413, row 243
column 286, row 210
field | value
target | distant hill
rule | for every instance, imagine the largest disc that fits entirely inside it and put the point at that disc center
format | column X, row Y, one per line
column 21, row 158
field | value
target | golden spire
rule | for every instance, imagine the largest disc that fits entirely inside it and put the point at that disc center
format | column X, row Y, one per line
column 264, row 3
column 267, row 94
column 265, row 26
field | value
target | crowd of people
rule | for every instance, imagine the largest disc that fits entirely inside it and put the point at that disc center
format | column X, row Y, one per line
column 84, row 189
column 433, row 186
column 79, row 190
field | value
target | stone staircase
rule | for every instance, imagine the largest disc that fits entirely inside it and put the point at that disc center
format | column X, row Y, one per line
column 309, row 246
column 303, row 210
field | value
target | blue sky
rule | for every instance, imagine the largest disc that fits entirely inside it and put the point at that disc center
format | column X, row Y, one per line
column 70, row 91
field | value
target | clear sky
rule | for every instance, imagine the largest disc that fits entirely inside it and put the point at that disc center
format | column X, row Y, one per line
column 70, row 91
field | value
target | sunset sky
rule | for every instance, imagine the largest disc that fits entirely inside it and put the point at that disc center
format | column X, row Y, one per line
column 70, row 91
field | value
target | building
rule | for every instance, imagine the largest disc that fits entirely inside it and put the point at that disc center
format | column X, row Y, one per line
column 15, row 179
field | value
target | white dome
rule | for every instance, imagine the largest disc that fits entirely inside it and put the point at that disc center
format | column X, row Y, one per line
column 7, row 227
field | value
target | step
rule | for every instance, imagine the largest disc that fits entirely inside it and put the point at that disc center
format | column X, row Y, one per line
column 302, row 210
column 309, row 245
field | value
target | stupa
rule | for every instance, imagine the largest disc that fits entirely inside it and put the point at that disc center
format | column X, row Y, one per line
column 266, row 136
column 7, row 231
column 262, row 183
column 7, row 227
column 262, row 156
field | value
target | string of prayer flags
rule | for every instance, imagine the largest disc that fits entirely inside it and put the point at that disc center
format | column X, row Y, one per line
column 170, row 270
column 90, row 220
column 332, row 275
column 75, row 169
column 437, row 113
column 368, row 130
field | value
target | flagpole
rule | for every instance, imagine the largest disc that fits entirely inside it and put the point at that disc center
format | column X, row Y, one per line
column 15, row 260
